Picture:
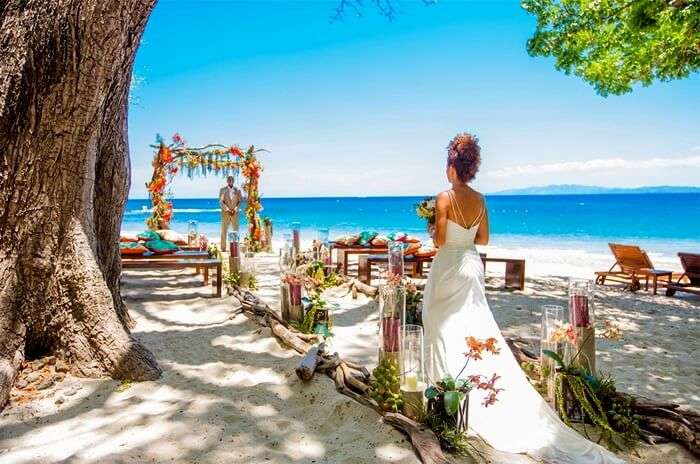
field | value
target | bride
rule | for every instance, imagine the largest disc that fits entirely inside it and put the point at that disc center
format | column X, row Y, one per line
column 455, row 307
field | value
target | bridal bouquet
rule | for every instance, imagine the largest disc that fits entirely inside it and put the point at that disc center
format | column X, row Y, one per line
column 426, row 209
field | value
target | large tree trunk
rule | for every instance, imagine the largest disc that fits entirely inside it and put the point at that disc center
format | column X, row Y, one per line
column 64, row 177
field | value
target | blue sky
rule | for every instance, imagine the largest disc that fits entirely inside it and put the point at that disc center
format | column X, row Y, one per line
column 366, row 106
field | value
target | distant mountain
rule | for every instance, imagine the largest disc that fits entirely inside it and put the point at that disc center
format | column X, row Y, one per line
column 593, row 190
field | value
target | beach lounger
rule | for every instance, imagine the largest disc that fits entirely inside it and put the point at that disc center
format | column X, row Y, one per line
column 205, row 264
column 689, row 281
column 634, row 265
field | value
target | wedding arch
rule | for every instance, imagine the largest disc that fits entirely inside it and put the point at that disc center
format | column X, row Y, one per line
column 176, row 157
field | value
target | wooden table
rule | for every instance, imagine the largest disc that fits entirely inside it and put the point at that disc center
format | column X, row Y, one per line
column 515, row 271
column 342, row 254
column 205, row 264
column 365, row 266
column 514, row 274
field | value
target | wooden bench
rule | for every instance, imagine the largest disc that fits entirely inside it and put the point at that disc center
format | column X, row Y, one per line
column 182, row 254
column 343, row 253
column 366, row 262
column 205, row 264
column 514, row 273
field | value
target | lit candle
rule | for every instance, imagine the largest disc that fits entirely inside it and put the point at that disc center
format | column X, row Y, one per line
column 411, row 381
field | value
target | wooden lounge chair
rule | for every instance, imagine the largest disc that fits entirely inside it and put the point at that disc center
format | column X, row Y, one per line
column 689, row 281
column 634, row 265
column 205, row 264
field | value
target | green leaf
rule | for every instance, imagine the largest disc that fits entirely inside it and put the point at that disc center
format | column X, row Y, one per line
column 451, row 402
column 431, row 392
column 449, row 382
column 558, row 359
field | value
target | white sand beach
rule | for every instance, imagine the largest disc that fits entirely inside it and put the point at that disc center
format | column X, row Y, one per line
column 229, row 393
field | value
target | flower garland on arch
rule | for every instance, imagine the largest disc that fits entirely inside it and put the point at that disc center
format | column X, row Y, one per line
column 176, row 157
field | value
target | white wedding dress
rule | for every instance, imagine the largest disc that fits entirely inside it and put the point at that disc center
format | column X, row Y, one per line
column 455, row 307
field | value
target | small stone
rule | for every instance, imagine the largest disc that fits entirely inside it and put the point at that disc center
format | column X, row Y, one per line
column 71, row 391
column 59, row 377
column 33, row 377
column 61, row 366
column 60, row 400
column 47, row 383
column 51, row 360
column 21, row 383
column 39, row 363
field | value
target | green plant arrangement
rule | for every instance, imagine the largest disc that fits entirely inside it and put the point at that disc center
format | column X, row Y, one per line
column 586, row 398
column 414, row 301
column 316, row 316
column 386, row 385
column 448, row 399
column 233, row 279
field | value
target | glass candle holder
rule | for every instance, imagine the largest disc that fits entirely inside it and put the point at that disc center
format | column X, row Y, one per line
column 581, row 351
column 233, row 240
column 392, row 315
column 412, row 358
column 552, row 339
column 395, row 259
column 295, row 293
column 296, row 236
column 412, row 372
column 192, row 232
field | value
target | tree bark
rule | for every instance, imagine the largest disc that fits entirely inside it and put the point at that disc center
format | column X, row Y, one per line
column 64, row 178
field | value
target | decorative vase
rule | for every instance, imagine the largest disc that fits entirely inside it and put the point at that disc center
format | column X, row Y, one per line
column 582, row 318
column 296, row 237
column 411, row 368
column 392, row 314
column 295, row 293
column 268, row 236
column 395, row 260
column 552, row 325
column 459, row 421
column 234, row 253
column 192, row 232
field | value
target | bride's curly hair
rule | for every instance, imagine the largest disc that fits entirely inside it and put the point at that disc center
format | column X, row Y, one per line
column 464, row 154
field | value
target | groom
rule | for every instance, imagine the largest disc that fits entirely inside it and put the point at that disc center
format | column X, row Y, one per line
column 230, row 201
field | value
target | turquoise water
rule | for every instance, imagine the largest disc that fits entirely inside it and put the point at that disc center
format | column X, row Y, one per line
column 662, row 223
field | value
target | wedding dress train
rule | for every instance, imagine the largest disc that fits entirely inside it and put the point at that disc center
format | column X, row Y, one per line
column 455, row 307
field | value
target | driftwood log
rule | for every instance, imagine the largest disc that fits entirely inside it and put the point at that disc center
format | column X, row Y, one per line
column 660, row 421
column 350, row 379
column 664, row 419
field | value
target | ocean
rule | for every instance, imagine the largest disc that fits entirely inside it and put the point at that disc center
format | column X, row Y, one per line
column 661, row 223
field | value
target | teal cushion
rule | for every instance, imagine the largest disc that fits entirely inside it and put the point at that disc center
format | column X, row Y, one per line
column 366, row 237
column 161, row 246
column 148, row 235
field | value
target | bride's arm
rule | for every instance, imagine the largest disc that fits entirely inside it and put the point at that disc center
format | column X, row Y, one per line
column 482, row 233
column 442, row 204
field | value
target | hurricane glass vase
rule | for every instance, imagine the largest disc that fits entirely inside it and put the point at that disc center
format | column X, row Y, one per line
column 412, row 372
column 395, row 260
column 192, row 232
column 553, row 322
column 581, row 350
column 392, row 314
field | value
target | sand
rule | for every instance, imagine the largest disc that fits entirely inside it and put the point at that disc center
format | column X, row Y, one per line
column 229, row 393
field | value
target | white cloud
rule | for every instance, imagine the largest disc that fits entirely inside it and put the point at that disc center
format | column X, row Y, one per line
column 596, row 165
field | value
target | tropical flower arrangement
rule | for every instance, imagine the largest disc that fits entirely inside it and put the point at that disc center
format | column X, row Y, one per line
column 582, row 396
column 426, row 209
column 177, row 157
column 447, row 409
